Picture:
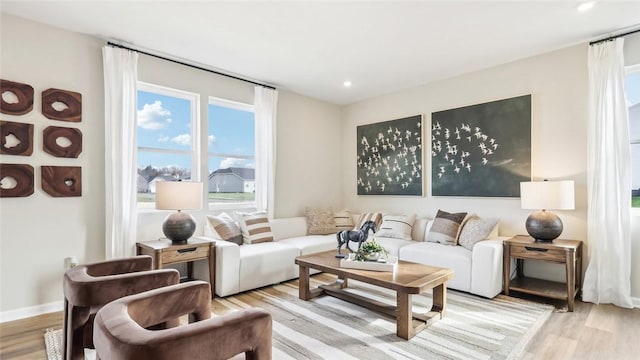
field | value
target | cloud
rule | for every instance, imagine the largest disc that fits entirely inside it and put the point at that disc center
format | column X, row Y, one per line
column 163, row 138
column 211, row 139
column 154, row 116
column 182, row 139
column 232, row 162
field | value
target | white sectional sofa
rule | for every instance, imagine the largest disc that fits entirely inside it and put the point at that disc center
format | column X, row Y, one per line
column 244, row 267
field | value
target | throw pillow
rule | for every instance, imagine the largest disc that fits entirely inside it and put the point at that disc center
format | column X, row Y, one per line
column 475, row 229
column 226, row 228
column 255, row 227
column 397, row 226
column 374, row 216
column 343, row 220
column 320, row 221
column 445, row 227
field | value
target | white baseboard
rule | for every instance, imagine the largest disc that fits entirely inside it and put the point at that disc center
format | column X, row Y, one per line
column 28, row 312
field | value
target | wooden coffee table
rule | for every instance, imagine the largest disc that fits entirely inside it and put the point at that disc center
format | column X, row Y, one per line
column 409, row 279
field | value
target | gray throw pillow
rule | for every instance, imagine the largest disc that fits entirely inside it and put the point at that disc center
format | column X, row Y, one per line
column 475, row 229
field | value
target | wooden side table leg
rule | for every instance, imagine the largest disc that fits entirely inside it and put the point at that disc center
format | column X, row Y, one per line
column 212, row 269
column 506, row 267
column 579, row 270
column 571, row 278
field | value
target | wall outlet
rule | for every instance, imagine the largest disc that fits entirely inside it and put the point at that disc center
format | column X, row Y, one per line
column 70, row 262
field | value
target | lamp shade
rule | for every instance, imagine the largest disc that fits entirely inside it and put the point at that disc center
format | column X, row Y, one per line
column 548, row 195
column 178, row 195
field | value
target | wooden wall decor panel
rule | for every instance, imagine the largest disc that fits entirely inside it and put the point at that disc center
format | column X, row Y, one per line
column 22, row 174
column 11, row 131
column 62, row 181
column 24, row 93
column 72, row 100
column 52, row 133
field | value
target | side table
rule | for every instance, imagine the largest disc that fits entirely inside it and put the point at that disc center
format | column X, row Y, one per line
column 568, row 252
column 164, row 252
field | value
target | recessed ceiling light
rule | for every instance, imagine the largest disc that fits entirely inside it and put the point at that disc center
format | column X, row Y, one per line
column 347, row 83
column 586, row 6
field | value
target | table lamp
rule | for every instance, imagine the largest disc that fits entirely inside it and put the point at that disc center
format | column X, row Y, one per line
column 178, row 195
column 546, row 195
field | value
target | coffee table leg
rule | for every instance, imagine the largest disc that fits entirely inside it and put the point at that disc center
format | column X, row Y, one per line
column 303, row 284
column 404, row 316
column 440, row 299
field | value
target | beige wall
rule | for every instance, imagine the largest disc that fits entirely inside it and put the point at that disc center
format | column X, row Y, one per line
column 558, row 84
column 38, row 232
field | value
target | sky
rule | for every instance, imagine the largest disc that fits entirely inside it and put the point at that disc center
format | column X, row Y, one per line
column 164, row 123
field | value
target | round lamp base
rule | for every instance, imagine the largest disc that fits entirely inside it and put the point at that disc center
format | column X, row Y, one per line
column 179, row 227
column 544, row 226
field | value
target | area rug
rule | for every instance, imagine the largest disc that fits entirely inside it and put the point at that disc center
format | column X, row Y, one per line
column 329, row 328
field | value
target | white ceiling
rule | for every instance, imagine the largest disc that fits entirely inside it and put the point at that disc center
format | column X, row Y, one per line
column 312, row 47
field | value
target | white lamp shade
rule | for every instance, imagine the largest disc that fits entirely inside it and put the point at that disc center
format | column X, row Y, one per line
column 547, row 195
column 178, row 195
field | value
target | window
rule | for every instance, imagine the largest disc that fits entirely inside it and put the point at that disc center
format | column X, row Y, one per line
column 231, row 152
column 632, row 88
column 168, row 128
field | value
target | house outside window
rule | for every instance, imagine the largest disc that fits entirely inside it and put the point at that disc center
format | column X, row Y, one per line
column 632, row 88
column 168, row 133
column 231, row 152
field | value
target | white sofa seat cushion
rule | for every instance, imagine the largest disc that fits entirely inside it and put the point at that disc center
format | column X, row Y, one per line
column 393, row 245
column 313, row 243
column 455, row 258
column 266, row 263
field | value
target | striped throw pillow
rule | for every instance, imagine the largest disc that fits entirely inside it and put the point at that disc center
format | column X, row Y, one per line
column 445, row 227
column 374, row 216
column 343, row 220
column 397, row 226
column 255, row 227
column 226, row 228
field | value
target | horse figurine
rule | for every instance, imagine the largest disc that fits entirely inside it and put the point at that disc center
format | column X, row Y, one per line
column 359, row 236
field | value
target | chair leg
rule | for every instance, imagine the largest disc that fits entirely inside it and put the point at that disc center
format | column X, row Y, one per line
column 77, row 318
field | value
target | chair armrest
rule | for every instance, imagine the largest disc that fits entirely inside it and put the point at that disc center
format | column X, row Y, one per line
column 82, row 289
column 120, row 266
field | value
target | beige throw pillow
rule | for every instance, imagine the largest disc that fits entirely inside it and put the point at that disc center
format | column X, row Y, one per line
column 226, row 228
column 475, row 229
column 397, row 226
column 320, row 221
column 445, row 227
column 374, row 216
column 343, row 220
column 255, row 227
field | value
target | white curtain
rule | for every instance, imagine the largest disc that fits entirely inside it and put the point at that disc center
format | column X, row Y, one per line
column 266, row 101
column 120, row 93
column 608, row 276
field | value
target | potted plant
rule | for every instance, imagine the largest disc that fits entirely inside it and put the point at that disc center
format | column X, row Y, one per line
column 370, row 251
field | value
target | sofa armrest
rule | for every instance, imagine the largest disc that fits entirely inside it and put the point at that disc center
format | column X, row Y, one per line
column 486, row 268
column 227, row 267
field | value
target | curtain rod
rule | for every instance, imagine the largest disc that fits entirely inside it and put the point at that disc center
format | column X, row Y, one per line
column 190, row 65
column 614, row 37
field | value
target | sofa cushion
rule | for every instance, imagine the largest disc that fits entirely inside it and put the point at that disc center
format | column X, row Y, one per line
column 445, row 227
column 397, row 226
column 374, row 216
column 255, row 227
column 320, row 221
column 393, row 245
column 475, row 229
column 455, row 258
column 343, row 220
column 225, row 228
column 312, row 243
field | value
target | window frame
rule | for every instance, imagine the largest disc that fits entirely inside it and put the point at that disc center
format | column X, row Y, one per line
column 627, row 71
column 195, row 126
column 236, row 105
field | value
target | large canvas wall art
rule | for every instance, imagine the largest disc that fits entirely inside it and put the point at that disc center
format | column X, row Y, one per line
column 389, row 160
column 482, row 150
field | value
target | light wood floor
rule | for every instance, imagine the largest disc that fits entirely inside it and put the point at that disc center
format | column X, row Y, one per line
column 590, row 332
